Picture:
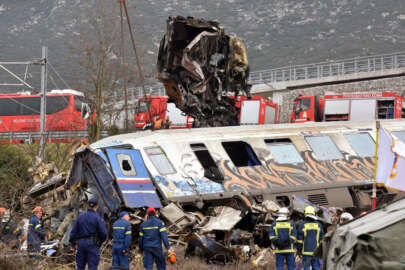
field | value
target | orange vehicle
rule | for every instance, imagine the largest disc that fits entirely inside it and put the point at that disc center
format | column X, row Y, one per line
column 348, row 107
column 254, row 111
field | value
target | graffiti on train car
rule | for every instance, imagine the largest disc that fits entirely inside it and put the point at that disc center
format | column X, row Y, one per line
column 191, row 179
column 311, row 171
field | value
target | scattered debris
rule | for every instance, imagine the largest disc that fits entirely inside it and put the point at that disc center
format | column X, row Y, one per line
column 200, row 65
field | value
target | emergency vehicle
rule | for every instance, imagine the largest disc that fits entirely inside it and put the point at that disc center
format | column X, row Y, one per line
column 66, row 110
column 254, row 111
column 348, row 107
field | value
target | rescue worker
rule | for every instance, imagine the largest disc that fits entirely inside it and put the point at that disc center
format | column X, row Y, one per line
column 35, row 231
column 310, row 234
column 283, row 235
column 121, row 241
column 87, row 235
column 151, row 235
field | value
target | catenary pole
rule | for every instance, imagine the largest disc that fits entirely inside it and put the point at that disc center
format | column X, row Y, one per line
column 44, row 74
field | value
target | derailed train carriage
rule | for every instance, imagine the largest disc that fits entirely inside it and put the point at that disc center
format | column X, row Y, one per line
column 329, row 164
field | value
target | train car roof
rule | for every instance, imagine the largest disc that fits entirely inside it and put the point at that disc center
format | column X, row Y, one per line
column 233, row 132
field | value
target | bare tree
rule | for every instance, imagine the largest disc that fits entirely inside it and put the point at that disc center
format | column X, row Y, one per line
column 97, row 47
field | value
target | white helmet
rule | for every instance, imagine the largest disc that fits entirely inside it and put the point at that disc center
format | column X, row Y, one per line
column 345, row 217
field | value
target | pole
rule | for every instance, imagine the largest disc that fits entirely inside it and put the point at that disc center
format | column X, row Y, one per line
column 374, row 195
column 44, row 74
column 124, row 70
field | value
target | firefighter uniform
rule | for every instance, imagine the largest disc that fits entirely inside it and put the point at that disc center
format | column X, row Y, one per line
column 310, row 233
column 151, row 235
column 121, row 241
column 35, row 234
column 88, row 233
column 283, row 235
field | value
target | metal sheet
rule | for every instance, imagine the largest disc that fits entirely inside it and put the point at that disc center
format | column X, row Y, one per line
column 177, row 117
column 136, row 188
column 337, row 107
column 224, row 221
column 362, row 109
column 250, row 112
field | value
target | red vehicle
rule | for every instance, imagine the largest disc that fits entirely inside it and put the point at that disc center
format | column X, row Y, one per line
column 66, row 110
column 254, row 111
column 157, row 107
column 348, row 107
column 257, row 111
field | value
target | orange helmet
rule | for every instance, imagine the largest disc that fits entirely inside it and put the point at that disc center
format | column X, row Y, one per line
column 37, row 209
column 2, row 211
column 171, row 257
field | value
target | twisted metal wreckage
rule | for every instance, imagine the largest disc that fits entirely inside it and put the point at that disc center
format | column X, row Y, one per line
column 200, row 65
column 218, row 189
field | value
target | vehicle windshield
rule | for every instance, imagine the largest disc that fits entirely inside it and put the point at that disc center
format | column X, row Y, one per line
column 142, row 107
column 303, row 104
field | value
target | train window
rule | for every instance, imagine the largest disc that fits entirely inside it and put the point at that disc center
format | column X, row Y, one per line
column 241, row 154
column 159, row 160
column 126, row 166
column 283, row 151
column 400, row 135
column 29, row 106
column 9, row 107
column 324, row 148
column 55, row 104
column 211, row 170
column 362, row 144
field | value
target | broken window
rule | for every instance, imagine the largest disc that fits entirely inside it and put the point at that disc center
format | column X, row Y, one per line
column 211, row 170
column 362, row 144
column 283, row 151
column 241, row 154
column 324, row 148
column 126, row 166
column 159, row 160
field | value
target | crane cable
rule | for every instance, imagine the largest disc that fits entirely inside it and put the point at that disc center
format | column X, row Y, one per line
column 123, row 5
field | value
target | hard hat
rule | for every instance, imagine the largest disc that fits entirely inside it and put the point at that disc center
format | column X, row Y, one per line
column 171, row 257
column 151, row 210
column 2, row 211
column 93, row 202
column 346, row 217
column 283, row 211
column 310, row 210
column 123, row 213
column 37, row 209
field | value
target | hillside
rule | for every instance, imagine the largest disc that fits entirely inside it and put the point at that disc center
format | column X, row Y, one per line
column 277, row 33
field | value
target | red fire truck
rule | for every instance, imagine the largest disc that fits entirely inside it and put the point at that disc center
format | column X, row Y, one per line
column 66, row 110
column 348, row 107
column 254, row 111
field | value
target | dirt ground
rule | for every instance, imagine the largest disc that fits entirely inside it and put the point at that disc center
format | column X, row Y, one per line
column 11, row 260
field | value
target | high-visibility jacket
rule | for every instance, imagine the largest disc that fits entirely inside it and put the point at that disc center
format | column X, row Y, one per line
column 152, row 233
column 283, row 234
column 310, row 233
column 35, row 231
column 122, row 234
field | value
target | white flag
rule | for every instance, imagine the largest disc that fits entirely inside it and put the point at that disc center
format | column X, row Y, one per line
column 391, row 161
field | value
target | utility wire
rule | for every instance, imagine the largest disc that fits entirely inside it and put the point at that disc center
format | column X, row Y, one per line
column 57, row 74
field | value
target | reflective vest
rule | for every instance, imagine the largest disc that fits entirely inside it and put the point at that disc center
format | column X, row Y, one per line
column 152, row 233
column 310, row 233
column 283, row 234
column 122, row 234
